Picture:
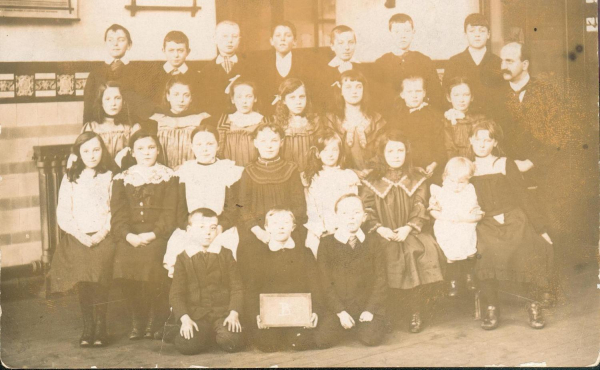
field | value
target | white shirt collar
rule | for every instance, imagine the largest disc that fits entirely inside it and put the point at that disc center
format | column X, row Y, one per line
column 283, row 64
column 342, row 235
column 519, row 85
column 341, row 65
column 399, row 52
column 220, row 59
column 423, row 105
column 110, row 60
column 193, row 248
column 289, row 244
column 477, row 54
column 168, row 67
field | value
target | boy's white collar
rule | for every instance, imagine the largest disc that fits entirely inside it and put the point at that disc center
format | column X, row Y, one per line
column 192, row 249
column 168, row 67
column 110, row 60
column 342, row 235
column 274, row 246
column 336, row 62
column 220, row 59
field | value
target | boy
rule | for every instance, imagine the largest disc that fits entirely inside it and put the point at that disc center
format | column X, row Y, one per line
column 402, row 62
column 352, row 273
column 282, row 265
column 116, row 67
column 476, row 63
column 176, row 47
column 219, row 73
column 423, row 126
column 270, row 69
column 206, row 293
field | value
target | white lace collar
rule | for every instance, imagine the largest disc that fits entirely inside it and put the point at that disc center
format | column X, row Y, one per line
column 274, row 247
column 192, row 249
column 138, row 175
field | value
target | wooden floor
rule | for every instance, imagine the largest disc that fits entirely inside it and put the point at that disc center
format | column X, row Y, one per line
column 39, row 333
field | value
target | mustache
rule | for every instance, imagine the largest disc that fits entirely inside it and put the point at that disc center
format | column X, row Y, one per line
column 506, row 71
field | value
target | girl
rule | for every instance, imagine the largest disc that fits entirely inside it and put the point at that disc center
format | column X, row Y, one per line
column 236, row 129
column 268, row 182
column 177, row 122
column 458, row 121
column 326, row 182
column 394, row 195
column 111, row 118
column 294, row 114
column 511, row 238
column 144, row 207
column 355, row 121
column 455, row 208
column 84, row 256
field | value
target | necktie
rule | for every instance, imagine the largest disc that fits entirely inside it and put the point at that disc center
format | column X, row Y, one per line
column 205, row 257
column 116, row 64
column 352, row 241
column 175, row 71
column 227, row 64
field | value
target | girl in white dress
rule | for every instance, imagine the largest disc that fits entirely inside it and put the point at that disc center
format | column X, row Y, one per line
column 456, row 211
column 326, row 182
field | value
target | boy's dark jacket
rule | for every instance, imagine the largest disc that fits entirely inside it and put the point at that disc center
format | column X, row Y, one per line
column 200, row 290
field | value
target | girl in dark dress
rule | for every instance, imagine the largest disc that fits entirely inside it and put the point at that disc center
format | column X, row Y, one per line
column 143, row 204
column 395, row 199
column 294, row 114
column 511, row 238
column 354, row 120
column 84, row 256
column 265, row 184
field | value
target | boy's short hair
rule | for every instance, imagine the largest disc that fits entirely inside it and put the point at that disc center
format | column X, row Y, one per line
column 400, row 18
column 346, row 196
column 226, row 23
column 477, row 19
column 177, row 37
column 204, row 212
column 337, row 30
column 412, row 78
column 287, row 24
column 461, row 166
column 268, row 126
column 115, row 27
column 277, row 210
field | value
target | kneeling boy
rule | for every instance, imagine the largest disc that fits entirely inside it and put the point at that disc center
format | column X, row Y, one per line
column 206, row 293
column 352, row 273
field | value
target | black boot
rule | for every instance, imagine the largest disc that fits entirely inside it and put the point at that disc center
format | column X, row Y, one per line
column 100, row 334
column 136, row 321
column 491, row 319
column 470, row 283
column 149, row 332
column 453, row 289
column 536, row 319
column 86, row 300
column 469, row 265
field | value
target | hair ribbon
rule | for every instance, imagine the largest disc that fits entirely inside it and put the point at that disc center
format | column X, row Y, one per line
column 231, row 81
column 276, row 100
column 336, row 83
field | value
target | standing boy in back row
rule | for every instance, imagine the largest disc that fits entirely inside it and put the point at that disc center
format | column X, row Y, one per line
column 392, row 68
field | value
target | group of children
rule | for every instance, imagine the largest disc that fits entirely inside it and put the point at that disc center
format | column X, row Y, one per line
column 210, row 200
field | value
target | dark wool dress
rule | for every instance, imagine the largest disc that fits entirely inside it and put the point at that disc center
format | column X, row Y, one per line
column 457, row 135
column 236, row 143
column 298, row 141
column 515, row 249
column 396, row 203
column 142, row 205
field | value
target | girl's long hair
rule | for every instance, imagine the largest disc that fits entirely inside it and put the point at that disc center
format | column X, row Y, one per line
column 123, row 117
column 314, row 164
column 106, row 161
column 495, row 131
column 339, row 108
column 282, row 113
column 380, row 166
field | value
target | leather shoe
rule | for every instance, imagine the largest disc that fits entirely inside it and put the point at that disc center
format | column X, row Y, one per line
column 536, row 319
column 416, row 323
column 491, row 318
